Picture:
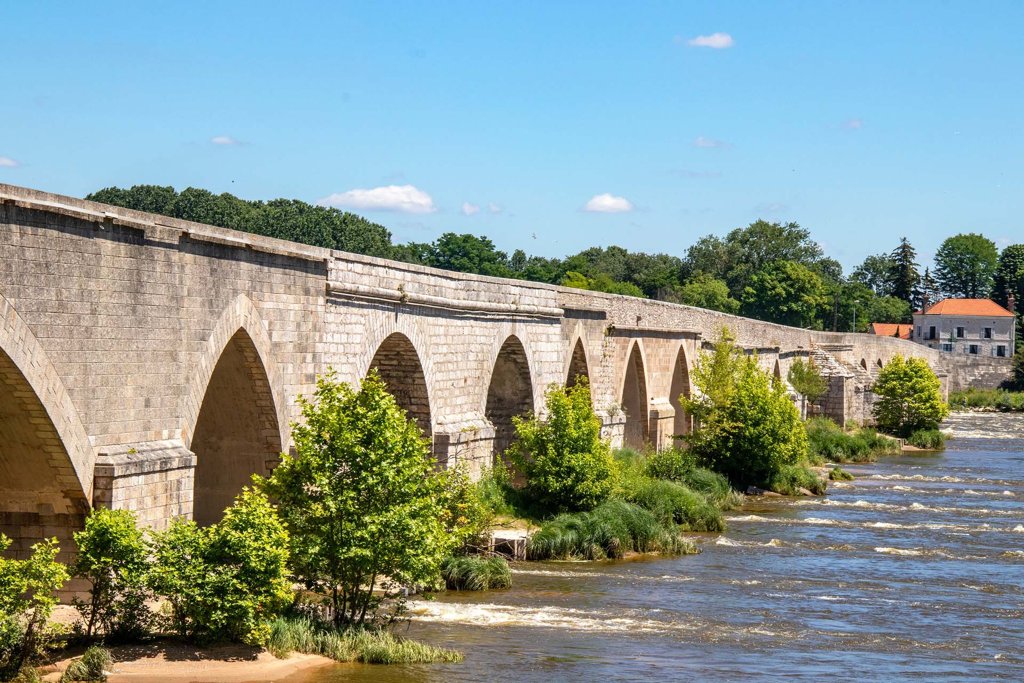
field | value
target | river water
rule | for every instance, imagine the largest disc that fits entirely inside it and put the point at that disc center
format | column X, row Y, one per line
column 915, row 570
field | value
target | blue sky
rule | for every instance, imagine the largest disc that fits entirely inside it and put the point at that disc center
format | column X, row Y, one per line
column 546, row 126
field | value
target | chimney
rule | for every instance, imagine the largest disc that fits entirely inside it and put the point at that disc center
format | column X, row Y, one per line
column 1011, row 302
column 924, row 301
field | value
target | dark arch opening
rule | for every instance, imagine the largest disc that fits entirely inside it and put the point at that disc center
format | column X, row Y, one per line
column 634, row 401
column 39, row 491
column 236, row 434
column 864, row 363
column 399, row 366
column 577, row 365
column 879, row 363
column 510, row 392
column 683, row 422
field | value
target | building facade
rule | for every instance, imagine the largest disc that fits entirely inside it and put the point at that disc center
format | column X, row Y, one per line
column 978, row 327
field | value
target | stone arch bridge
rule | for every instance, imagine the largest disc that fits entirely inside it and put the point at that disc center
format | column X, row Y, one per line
column 153, row 364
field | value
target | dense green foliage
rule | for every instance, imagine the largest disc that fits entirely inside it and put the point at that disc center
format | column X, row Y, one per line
column 789, row 479
column 1009, row 276
column 785, row 292
column 965, row 265
column 995, row 399
column 903, row 274
column 806, row 379
column 608, row 531
column 747, row 427
column 837, row 473
column 908, row 397
column 28, row 594
column 227, row 581
column 113, row 556
column 365, row 508
column 705, row 291
column 91, row 666
column 828, row 442
column 476, row 573
column 674, row 503
column 566, row 464
column 928, row 439
column 351, row 644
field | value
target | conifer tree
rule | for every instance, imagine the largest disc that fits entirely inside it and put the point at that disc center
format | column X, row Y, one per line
column 905, row 277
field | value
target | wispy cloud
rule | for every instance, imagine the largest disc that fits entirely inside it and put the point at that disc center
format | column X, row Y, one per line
column 403, row 198
column 495, row 208
column 470, row 209
column 608, row 203
column 853, row 124
column 224, row 140
column 716, row 41
column 7, row 162
column 709, row 143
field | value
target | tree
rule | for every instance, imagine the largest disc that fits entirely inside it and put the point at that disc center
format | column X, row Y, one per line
column 876, row 272
column 965, row 265
column 806, row 379
column 1018, row 368
column 113, row 556
column 927, row 293
column 362, row 501
column 887, row 309
column 908, row 397
column 567, row 466
column 468, row 254
column 785, row 292
column 747, row 428
column 705, row 291
column 1009, row 277
column 904, row 275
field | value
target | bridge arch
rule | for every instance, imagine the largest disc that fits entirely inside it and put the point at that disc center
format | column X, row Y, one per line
column 46, row 460
column 681, row 387
column 240, row 417
column 634, row 398
column 399, row 366
column 509, row 391
column 578, row 365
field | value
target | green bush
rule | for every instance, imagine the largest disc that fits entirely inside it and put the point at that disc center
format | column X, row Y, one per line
column 928, row 439
column 747, row 427
column 466, row 515
column 351, row 644
column 673, row 503
column 228, row 581
column 828, row 441
column 28, row 593
column 609, row 531
column 714, row 486
column 475, row 573
column 565, row 463
column 90, row 667
column 908, row 397
column 674, row 464
column 839, row 474
column 996, row 399
column 366, row 509
column 789, row 479
column 113, row 556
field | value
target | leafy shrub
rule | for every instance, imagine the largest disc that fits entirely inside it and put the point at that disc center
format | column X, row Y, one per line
column 928, row 439
column 673, row 464
column 28, row 591
column 908, row 397
column 364, row 504
column 91, row 666
column 475, row 573
column 747, row 428
column 997, row 399
column 465, row 513
column 828, row 441
column 839, row 474
column 113, row 556
column 565, row 463
column 789, row 479
column 351, row 644
column 673, row 503
column 807, row 380
column 609, row 531
column 227, row 581
column 714, row 486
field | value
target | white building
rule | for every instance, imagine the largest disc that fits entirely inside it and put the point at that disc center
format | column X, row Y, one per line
column 973, row 326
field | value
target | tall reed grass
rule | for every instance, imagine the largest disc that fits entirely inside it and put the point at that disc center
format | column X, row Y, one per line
column 367, row 645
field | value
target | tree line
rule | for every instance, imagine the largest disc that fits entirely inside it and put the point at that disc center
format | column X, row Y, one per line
column 769, row 271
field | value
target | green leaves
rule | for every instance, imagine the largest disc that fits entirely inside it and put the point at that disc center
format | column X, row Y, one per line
column 965, row 265
column 908, row 397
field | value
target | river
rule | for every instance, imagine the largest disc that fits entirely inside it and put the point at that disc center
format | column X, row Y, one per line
column 915, row 570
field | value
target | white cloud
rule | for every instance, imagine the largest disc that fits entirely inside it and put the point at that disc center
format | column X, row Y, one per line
column 404, row 198
column 7, row 162
column 223, row 140
column 608, row 203
column 495, row 208
column 717, row 41
column 853, row 124
column 469, row 209
column 709, row 143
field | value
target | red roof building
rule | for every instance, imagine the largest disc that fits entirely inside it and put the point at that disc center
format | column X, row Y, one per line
column 892, row 330
column 979, row 327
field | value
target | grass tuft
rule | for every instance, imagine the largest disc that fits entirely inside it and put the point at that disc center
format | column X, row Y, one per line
column 928, row 439
column 475, row 573
column 790, row 478
column 366, row 645
column 991, row 399
column 828, row 441
column 674, row 503
column 839, row 474
column 91, row 666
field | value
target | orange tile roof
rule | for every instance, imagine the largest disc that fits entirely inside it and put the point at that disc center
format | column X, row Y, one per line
column 981, row 307
column 891, row 330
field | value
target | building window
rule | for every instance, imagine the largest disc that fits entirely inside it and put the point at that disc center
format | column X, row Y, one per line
column 973, row 349
column 1001, row 351
column 959, row 333
column 931, row 332
column 918, row 331
column 988, row 333
column 947, row 347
